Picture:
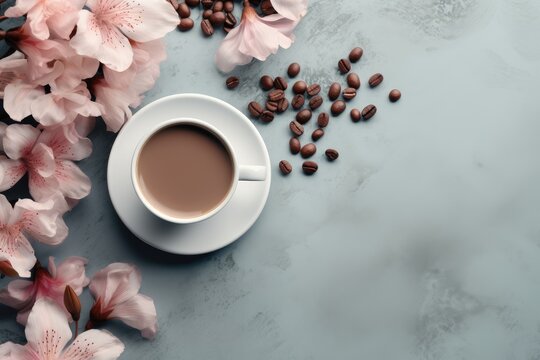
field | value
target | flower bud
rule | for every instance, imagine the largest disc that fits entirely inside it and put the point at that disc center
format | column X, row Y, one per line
column 72, row 303
column 7, row 270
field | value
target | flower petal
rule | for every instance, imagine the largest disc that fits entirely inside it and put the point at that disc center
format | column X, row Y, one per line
column 20, row 8
column 19, row 140
column 16, row 249
column 115, row 104
column 95, row 345
column 228, row 54
column 72, row 272
column 42, row 188
column 115, row 283
column 18, row 99
column 47, row 329
column 291, row 9
column 5, row 210
column 138, row 312
column 11, row 171
column 17, row 294
column 11, row 351
column 41, row 160
column 66, row 143
column 37, row 219
column 73, row 183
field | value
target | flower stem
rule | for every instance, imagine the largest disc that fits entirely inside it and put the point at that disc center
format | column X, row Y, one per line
column 76, row 329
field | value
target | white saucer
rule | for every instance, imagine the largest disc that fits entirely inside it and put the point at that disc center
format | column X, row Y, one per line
column 221, row 229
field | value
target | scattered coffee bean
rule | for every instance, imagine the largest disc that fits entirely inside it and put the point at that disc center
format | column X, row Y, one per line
column 218, row 6
column 331, row 154
column 299, row 87
column 323, row 120
column 230, row 20
column 207, row 28
column 315, row 102
column 232, row 82
column 356, row 54
column 375, row 80
column 334, row 91
column 338, row 107
column 267, row 116
column 267, row 8
column 276, row 95
column 280, row 83
column 304, row 116
column 255, row 109
column 217, row 18
column 285, row 167
column 317, row 134
column 174, row 4
column 207, row 4
column 368, row 112
column 207, row 13
column 353, row 80
column 310, row 167
column 296, row 128
column 293, row 70
column 193, row 3
column 313, row 89
column 308, row 150
column 394, row 95
column 294, row 145
column 298, row 101
column 349, row 93
column 183, row 10
column 266, row 82
column 186, row 24
column 356, row 115
column 226, row 29
column 228, row 6
column 283, row 105
column 344, row 66
column 272, row 105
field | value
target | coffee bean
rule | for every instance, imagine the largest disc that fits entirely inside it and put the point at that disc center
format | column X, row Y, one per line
column 353, row 80
column 349, row 93
column 283, row 105
column 308, row 150
column 296, row 128
column 267, row 8
column 207, row 4
column 193, row 3
column 186, row 24
column 280, row 83
column 313, row 89
column 338, row 107
column 317, row 134
column 267, row 116
column 255, row 109
column 331, row 154
column 271, row 105
column 285, row 167
column 315, row 102
column 368, row 112
column 310, row 167
column 183, row 10
column 375, row 80
column 218, row 6
column 356, row 54
column 356, row 115
column 226, row 28
column 230, row 20
column 207, row 28
column 207, row 13
column 228, row 6
column 294, row 145
column 323, row 120
column 293, row 70
column 334, row 91
column 299, row 87
column 232, row 82
column 344, row 66
column 298, row 101
column 217, row 18
column 266, row 82
column 276, row 95
column 255, row 2
column 394, row 95
column 174, row 4
column 303, row 116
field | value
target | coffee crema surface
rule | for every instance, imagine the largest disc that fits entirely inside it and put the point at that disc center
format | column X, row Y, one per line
column 184, row 171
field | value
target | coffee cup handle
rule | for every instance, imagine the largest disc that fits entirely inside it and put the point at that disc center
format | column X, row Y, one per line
column 252, row 173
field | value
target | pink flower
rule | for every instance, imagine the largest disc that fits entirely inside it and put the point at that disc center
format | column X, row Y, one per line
column 40, row 221
column 47, row 156
column 104, row 33
column 12, row 67
column 48, row 333
column 116, row 290
column 46, row 283
column 291, row 9
column 255, row 37
column 118, row 91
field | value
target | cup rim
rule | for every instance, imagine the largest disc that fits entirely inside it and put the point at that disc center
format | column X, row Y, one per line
column 187, row 121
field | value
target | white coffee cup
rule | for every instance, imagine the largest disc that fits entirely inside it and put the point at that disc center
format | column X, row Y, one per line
column 240, row 172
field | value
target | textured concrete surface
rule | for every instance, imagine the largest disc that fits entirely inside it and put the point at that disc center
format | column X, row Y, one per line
column 421, row 242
